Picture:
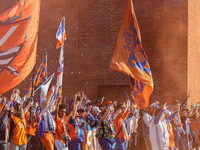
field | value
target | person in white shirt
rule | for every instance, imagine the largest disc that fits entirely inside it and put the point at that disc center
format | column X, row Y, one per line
column 148, row 116
column 158, row 129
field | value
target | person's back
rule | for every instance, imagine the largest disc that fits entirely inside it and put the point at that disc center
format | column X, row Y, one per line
column 159, row 135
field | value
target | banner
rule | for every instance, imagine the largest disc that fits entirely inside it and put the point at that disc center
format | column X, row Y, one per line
column 129, row 58
column 18, row 42
column 40, row 76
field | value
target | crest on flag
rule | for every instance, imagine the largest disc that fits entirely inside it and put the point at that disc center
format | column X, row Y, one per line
column 61, row 34
column 18, row 42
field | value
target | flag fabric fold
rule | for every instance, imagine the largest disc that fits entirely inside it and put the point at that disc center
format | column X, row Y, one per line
column 61, row 34
column 39, row 77
column 129, row 58
column 45, row 87
column 18, row 42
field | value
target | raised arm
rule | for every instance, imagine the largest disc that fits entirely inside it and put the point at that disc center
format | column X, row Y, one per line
column 126, row 110
column 57, row 107
column 159, row 115
column 172, row 116
column 74, row 107
column 103, row 118
column 30, row 104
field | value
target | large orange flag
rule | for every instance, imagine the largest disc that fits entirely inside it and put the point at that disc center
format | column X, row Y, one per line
column 129, row 58
column 18, row 42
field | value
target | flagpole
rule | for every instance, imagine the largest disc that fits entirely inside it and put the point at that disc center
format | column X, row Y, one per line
column 31, row 96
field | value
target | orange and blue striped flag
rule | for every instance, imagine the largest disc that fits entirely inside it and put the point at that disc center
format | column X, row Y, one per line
column 129, row 58
column 40, row 76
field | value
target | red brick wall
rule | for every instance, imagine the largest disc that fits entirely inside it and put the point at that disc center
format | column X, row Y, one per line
column 92, row 28
column 194, row 50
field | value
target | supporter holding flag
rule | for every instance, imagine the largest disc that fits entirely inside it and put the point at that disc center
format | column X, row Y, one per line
column 133, row 121
column 120, row 128
column 47, row 124
column 159, row 135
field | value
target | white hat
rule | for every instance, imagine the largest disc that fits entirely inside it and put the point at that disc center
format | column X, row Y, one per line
column 95, row 108
column 154, row 105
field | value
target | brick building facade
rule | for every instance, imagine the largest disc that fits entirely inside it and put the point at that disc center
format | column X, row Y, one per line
column 169, row 30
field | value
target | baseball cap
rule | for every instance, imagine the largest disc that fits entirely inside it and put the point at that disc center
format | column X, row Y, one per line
column 77, row 115
column 95, row 108
column 109, row 102
column 98, row 101
column 88, row 102
column 155, row 105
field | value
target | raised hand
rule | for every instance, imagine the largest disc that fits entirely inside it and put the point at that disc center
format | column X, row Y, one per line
column 75, row 96
column 79, row 93
column 85, row 97
column 128, row 103
column 102, row 99
column 4, row 100
column 165, row 106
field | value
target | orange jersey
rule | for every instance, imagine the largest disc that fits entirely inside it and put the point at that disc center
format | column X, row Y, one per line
column 32, row 128
column 1, row 107
column 48, row 141
column 19, row 135
column 171, row 134
column 60, row 126
column 175, row 121
column 120, row 129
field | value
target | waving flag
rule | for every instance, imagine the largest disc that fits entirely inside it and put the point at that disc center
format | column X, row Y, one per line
column 129, row 58
column 61, row 31
column 61, row 34
column 45, row 86
column 38, row 78
column 18, row 42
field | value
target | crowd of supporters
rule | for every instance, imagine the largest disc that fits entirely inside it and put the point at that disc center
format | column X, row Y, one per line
column 103, row 125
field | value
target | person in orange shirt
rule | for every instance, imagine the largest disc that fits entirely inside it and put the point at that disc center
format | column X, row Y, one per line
column 120, row 129
column 17, row 136
column 61, row 119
